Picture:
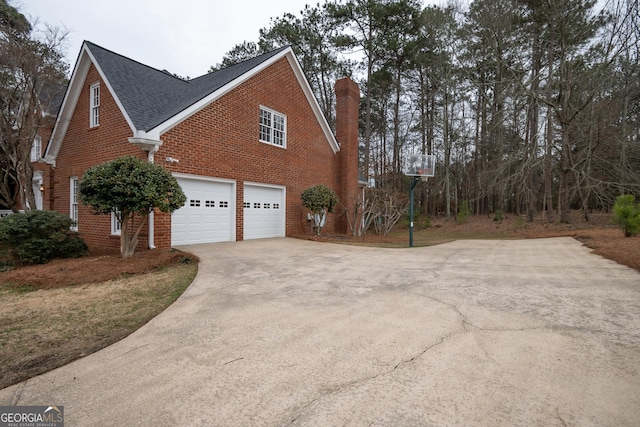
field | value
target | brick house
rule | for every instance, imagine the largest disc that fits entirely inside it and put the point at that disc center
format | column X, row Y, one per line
column 243, row 143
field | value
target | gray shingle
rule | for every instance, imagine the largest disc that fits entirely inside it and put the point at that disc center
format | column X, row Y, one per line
column 151, row 96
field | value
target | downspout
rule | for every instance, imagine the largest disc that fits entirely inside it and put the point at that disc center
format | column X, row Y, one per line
column 151, row 145
column 151, row 240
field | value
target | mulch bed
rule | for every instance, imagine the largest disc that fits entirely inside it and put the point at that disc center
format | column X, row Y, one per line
column 92, row 269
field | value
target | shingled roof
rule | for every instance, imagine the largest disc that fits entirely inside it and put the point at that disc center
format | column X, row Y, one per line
column 150, row 96
column 153, row 101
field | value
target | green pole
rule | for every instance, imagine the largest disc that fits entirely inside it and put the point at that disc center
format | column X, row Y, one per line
column 414, row 181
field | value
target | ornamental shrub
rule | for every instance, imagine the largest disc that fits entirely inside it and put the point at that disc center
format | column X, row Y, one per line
column 36, row 237
column 319, row 199
column 626, row 213
column 131, row 188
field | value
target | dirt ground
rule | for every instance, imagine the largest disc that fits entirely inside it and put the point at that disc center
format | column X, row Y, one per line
column 599, row 234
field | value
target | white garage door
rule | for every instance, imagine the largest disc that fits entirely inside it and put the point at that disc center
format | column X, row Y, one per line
column 207, row 216
column 264, row 212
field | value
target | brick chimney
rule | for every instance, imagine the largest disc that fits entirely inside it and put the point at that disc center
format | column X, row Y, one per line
column 347, row 104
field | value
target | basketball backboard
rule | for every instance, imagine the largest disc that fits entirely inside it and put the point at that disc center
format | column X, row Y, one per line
column 420, row 165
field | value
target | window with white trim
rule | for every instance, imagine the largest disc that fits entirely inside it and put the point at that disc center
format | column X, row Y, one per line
column 94, row 103
column 273, row 127
column 73, row 205
column 116, row 226
column 36, row 149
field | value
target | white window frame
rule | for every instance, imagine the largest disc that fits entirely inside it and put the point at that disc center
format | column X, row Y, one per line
column 36, row 149
column 272, row 127
column 74, row 184
column 116, row 226
column 37, row 184
column 94, row 105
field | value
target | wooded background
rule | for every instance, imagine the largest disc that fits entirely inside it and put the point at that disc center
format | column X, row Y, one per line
column 531, row 106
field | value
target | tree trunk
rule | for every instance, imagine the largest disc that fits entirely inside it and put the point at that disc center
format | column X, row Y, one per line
column 397, row 169
column 548, row 166
column 447, row 156
column 476, row 157
column 564, row 199
column 367, row 119
column 565, row 162
column 532, row 124
column 127, row 247
column 128, row 237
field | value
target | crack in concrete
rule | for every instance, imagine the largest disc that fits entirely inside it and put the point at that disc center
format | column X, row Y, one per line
column 371, row 378
column 466, row 322
column 19, row 391
column 234, row 360
column 465, row 325
column 134, row 349
column 559, row 417
column 422, row 353
column 404, row 362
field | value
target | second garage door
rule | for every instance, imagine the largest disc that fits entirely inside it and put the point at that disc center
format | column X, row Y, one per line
column 264, row 211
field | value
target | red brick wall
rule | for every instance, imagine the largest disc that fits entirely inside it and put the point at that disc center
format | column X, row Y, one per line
column 222, row 141
column 84, row 147
column 219, row 141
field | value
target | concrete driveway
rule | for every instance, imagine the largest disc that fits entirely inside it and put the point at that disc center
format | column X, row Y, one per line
column 289, row 332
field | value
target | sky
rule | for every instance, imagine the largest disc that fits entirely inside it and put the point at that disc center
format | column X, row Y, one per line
column 185, row 37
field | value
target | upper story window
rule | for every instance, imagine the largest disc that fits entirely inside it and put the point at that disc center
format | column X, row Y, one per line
column 94, row 103
column 73, row 198
column 36, row 149
column 273, row 127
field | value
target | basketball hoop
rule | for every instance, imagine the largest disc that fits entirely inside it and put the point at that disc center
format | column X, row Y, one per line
column 420, row 165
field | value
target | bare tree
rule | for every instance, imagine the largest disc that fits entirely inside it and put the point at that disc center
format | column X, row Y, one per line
column 384, row 208
column 32, row 71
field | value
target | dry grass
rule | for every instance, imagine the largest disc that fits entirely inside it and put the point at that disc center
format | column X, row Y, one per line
column 41, row 329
